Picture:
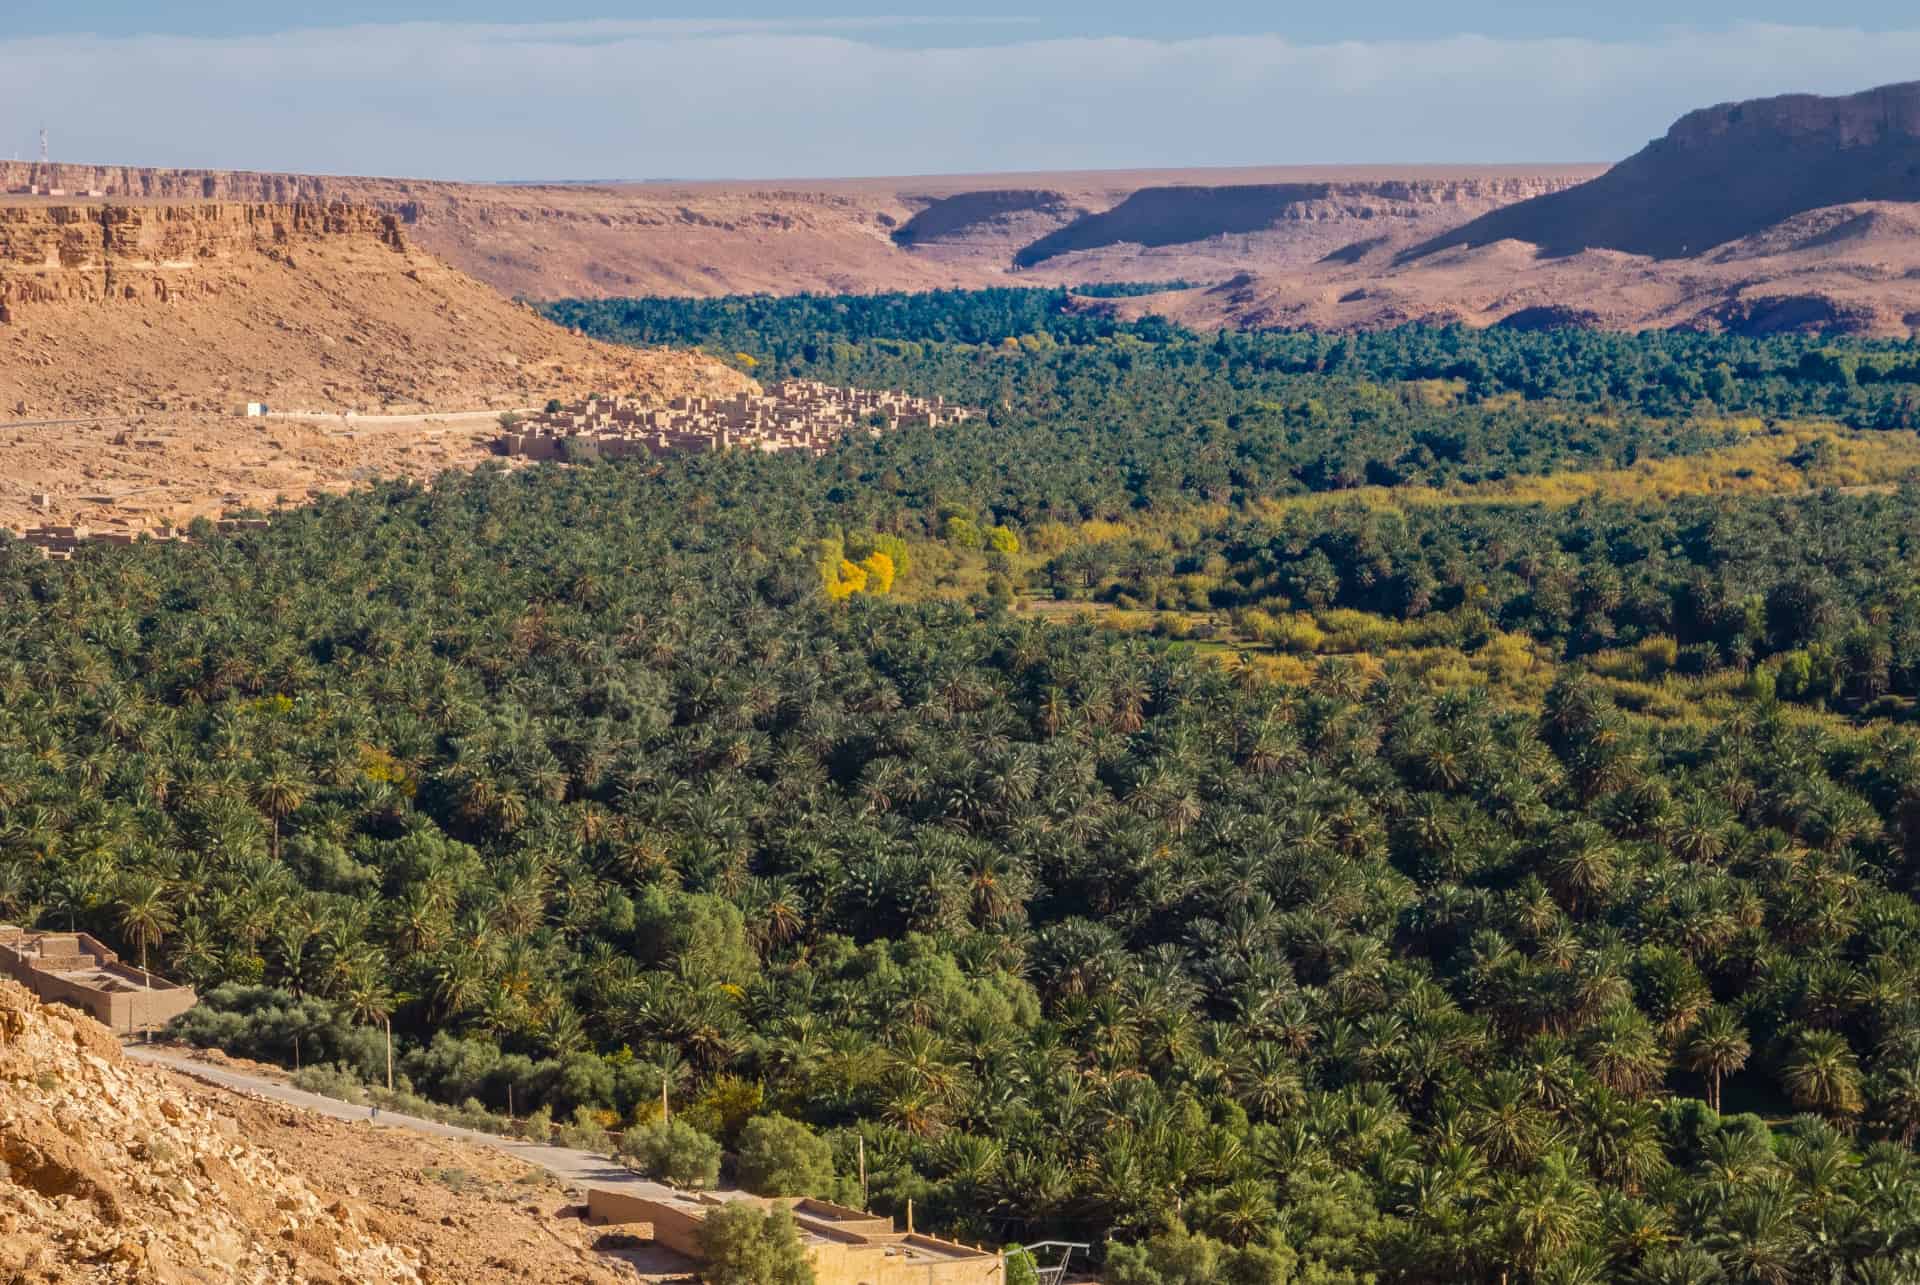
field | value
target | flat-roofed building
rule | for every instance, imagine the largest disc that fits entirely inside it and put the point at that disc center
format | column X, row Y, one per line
column 78, row 970
column 846, row 1246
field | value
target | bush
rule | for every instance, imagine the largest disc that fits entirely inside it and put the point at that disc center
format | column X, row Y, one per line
column 783, row 1157
column 331, row 1081
column 537, row 1127
column 744, row 1246
column 672, row 1151
column 585, row 1132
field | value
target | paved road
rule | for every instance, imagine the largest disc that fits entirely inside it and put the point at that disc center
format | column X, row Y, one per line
column 581, row 1168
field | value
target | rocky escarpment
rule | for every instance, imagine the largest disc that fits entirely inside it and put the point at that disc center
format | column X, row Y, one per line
column 92, row 253
column 1296, row 222
column 112, row 307
column 106, row 1174
column 556, row 239
column 1723, row 173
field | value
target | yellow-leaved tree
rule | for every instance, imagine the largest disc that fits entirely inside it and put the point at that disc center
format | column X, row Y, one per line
column 879, row 569
column 850, row 578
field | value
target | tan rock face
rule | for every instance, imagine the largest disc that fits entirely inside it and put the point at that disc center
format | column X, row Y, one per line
column 111, row 307
column 106, row 1174
column 554, row 240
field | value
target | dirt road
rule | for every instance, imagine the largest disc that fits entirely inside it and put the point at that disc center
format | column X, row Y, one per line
column 582, row 1168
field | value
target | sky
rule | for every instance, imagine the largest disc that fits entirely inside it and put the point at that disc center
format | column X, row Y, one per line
column 483, row 89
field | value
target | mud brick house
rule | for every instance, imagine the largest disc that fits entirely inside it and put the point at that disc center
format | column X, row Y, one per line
column 77, row 970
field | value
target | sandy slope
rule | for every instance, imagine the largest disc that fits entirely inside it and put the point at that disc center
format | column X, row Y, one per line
column 109, row 308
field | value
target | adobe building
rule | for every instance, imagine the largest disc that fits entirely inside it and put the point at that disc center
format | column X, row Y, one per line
column 798, row 415
column 845, row 1246
column 78, row 970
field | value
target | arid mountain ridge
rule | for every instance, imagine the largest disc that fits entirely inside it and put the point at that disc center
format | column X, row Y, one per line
column 1724, row 173
column 859, row 235
column 1796, row 213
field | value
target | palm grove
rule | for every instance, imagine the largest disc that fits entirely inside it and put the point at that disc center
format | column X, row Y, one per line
column 582, row 779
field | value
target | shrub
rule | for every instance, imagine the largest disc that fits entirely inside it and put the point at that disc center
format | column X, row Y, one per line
column 537, row 1127
column 783, row 1157
column 744, row 1246
column 672, row 1151
column 1021, row 1269
column 331, row 1081
column 584, row 1132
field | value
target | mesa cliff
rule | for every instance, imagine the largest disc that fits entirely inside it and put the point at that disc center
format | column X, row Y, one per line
column 838, row 235
column 117, row 307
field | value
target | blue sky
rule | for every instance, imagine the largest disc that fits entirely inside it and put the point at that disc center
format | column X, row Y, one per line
column 474, row 89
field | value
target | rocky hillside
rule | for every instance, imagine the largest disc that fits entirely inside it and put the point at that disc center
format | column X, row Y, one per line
column 1787, row 214
column 1845, row 269
column 554, row 240
column 106, row 1175
column 116, row 306
column 1277, row 223
column 115, row 1172
column 1723, row 173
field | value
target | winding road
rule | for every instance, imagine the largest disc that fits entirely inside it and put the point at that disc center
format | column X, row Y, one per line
column 581, row 1168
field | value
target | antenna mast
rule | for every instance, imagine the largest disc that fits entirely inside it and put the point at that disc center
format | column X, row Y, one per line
column 43, row 143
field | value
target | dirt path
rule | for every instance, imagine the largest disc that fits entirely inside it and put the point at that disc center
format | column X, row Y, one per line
column 582, row 1168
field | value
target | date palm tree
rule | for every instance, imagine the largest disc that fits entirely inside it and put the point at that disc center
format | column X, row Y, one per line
column 1823, row 1074
column 146, row 911
column 1716, row 1048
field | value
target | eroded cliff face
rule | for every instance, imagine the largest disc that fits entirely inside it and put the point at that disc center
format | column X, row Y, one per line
column 554, row 240
column 1233, row 227
column 110, row 306
column 96, row 252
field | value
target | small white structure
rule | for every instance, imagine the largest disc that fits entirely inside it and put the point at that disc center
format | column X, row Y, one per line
column 254, row 410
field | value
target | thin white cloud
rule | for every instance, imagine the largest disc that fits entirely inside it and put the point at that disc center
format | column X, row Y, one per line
column 725, row 98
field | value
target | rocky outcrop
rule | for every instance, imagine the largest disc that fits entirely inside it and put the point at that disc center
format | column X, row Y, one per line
column 107, row 1174
column 1723, row 173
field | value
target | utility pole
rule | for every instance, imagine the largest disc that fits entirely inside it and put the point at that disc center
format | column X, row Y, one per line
column 389, row 1052
column 863, row 1174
